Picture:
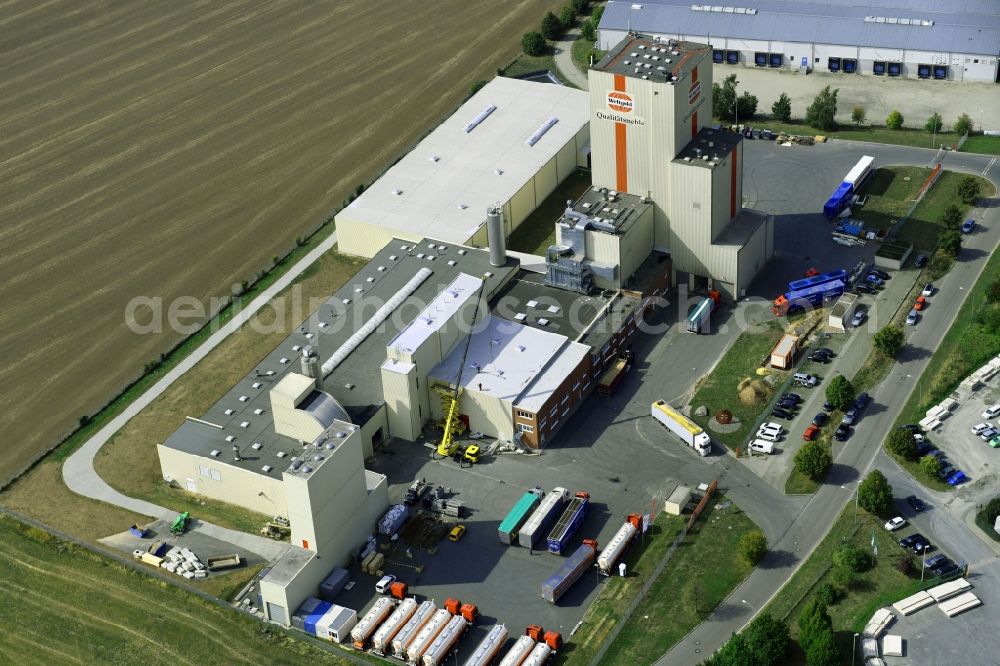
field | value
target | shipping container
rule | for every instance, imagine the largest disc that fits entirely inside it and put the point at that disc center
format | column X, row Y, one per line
column 489, row 647
column 516, row 517
column 541, row 519
column 364, row 629
column 402, row 640
column 445, row 642
column 517, row 654
column 426, row 635
column 310, row 620
column 393, row 519
column 336, row 624
column 382, row 640
column 333, row 584
column 569, row 572
column 571, row 518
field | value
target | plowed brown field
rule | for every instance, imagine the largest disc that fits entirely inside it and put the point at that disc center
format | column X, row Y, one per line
column 172, row 148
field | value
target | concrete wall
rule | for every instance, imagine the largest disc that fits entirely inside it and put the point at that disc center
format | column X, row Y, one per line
column 755, row 254
column 399, row 388
column 234, row 485
column 370, row 431
column 635, row 246
column 487, row 414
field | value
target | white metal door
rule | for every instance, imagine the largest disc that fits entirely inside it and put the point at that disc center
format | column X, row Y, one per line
column 191, row 487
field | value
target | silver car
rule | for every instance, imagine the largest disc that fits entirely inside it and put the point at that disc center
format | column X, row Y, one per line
column 911, row 318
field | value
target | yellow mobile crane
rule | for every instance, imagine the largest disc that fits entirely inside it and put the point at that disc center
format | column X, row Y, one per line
column 449, row 400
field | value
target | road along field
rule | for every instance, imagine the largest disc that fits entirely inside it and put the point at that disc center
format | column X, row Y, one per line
column 166, row 149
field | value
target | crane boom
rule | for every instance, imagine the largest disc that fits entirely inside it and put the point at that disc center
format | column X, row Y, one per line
column 447, row 447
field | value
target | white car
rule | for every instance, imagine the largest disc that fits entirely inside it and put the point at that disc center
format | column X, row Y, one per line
column 991, row 412
column 768, row 435
column 980, row 428
column 382, row 587
column 918, row 437
column 760, row 446
column 894, row 524
column 928, row 289
column 771, row 426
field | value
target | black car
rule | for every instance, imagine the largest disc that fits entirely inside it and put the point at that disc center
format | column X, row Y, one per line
column 879, row 273
column 921, row 545
column 787, row 404
column 924, row 447
column 780, row 413
column 934, row 560
column 916, row 503
column 792, row 396
column 827, row 406
column 944, row 568
column 907, row 542
column 912, row 427
column 861, row 401
column 842, row 432
column 820, row 419
column 920, row 261
column 863, row 288
column 819, row 358
column 824, row 350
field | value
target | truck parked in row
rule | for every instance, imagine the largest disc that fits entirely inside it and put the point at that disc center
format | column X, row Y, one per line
column 568, row 522
column 569, row 571
column 690, row 432
column 405, row 637
column 616, row 547
column 382, row 640
column 540, row 521
column 518, row 515
column 810, row 292
column 489, row 647
column 364, row 629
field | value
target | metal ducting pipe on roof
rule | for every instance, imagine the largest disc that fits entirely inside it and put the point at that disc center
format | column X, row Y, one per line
column 380, row 316
column 495, row 236
column 311, row 365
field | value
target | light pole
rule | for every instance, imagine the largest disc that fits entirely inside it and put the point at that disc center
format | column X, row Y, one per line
column 854, row 647
column 749, row 604
column 923, row 562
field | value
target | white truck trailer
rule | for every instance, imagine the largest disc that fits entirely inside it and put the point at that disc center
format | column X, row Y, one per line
column 690, row 432
column 488, row 649
column 613, row 551
column 517, row 654
column 445, row 642
column 401, row 641
column 364, row 629
column 382, row 640
column 427, row 635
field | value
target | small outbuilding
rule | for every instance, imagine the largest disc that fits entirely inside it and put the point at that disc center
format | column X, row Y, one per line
column 783, row 354
column 677, row 500
column 841, row 311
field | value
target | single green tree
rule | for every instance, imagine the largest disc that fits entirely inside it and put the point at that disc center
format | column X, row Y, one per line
column 813, row 461
column 895, row 120
column 902, row 443
column 782, row 108
column 826, row 594
column 934, row 123
column 813, row 622
column 850, row 557
column 822, row 113
column 842, row 578
column 753, row 546
column 551, row 26
column 858, row 116
column 930, row 466
column 963, row 125
column 596, row 15
column 875, row 493
column 823, row 651
column 950, row 242
column 588, row 31
column 724, row 98
column 889, row 340
column 567, row 17
column 532, row 43
column 968, row 189
column 951, row 218
column 767, row 640
column 747, row 106
column 840, row 392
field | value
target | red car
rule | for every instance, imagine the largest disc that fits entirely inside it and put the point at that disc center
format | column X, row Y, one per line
column 810, row 433
column 919, row 303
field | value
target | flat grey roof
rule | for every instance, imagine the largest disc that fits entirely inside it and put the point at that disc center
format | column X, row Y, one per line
column 621, row 213
column 288, row 566
column 638, row 55
column 356, row 383
column 714, row 144
column 959, row 26
column 741, row 228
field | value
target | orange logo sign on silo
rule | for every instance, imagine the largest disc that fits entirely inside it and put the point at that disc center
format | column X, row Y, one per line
column 620, row 102
column 694, row 93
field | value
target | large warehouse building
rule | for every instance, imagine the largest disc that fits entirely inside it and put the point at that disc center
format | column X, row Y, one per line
column 957, row 40
column 511, row 144
column 651, row 102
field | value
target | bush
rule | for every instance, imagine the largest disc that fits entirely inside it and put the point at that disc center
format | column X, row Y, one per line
column 814, row 621
column 905, row 565
column 580, row 6
column 930, row 466
column 596, row 15
column 753, row 546
column 895, row 120
column 588, row 30
column 763, row 643
column 850, row 557
column 889, row 340
column 842, row 578
column 950, row 243
column 875, row 493
column 567, row 17
column 963, row 125
column 993, row 293
column 813, row 460
column 951, row 218
column 989, row 317
column 782, row 108
column 823, row 651
column 746, row 105
column 532, row 43
column 902, row 443
column 840, row 392
column 551, row 26
column 858, row 116
column 826, row 594
column 822, row 113
column 968, row 189
column 934, row 123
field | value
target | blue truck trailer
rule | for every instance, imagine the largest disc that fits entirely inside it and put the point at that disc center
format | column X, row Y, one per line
column 568, row 522
column 851, row 185
column 813, row 291
column 569, row 571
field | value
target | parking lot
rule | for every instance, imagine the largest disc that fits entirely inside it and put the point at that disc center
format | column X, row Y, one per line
column 965, row 450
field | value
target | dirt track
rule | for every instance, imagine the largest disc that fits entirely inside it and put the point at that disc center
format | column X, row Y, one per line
column 166, row 149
